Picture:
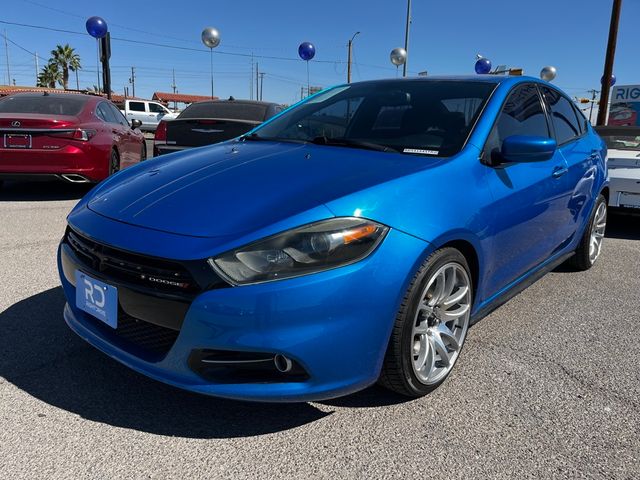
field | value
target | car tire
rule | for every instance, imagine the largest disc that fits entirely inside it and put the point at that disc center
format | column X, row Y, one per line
column 431, row 325
column 590, row 244
column 114, row 162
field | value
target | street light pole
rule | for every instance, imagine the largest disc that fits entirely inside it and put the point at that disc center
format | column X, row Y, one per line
column 349, row 55
column 406, row 38
column 608, row 62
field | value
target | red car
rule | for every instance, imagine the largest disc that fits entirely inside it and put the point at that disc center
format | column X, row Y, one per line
column 74, row 137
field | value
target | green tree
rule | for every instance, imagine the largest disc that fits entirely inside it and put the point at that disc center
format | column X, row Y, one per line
column 49, row 76
column 67, row 59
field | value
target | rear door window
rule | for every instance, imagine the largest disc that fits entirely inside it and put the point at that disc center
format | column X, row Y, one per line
column 117, row 115
column 104, row 113
column 563, row 116
column 136, row 106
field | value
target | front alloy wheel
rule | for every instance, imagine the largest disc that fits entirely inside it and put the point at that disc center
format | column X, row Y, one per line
column 431, row 325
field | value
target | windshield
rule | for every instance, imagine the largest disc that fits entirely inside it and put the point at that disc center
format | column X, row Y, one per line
column 622, row 142
column 409, row 116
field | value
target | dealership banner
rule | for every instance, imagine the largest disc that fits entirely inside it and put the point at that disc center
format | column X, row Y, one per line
column 625, row 105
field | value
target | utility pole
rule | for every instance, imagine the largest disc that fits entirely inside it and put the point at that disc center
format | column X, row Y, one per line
column 406, row 38
column 593, row 100
column 6, row 48
column 261, row 83
column 608, row 62
column 349, row 54
column 35, row 56
column 251, row 79
column 257, row 82
column 132, row 81
column 174, row 87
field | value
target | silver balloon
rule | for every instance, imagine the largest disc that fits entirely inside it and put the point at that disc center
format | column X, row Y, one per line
column 548, row 73
column 211, row 37
column 398, row 56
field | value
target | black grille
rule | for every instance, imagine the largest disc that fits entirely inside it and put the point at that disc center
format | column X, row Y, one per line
column 149, row 272
column 140, row 338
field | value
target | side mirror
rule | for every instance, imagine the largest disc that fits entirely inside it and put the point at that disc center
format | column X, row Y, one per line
column 526, row 148
column 135, row 123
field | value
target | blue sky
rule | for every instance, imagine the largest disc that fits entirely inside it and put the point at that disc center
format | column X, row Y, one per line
column 445, row 38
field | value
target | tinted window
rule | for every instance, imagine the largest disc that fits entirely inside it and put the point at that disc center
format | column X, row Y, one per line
column 563, row 116
column 226, row 109
column 522, row 114
column 155, row 108
column 117, row 115
column 427, row 117
column 136, row 106
column 46, row 104
column 104, row 113
column 582, row 120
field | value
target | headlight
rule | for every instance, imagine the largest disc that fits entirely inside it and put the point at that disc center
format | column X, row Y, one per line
column 308, row 249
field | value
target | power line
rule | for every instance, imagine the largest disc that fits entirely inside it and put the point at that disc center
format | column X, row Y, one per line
column 177, row 47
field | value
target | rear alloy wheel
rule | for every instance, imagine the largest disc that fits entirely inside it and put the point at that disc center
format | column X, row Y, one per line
column 431, row 326
column 590, row 245
column 114, row 163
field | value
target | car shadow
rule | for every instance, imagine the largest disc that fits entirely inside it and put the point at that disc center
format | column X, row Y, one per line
column 41, row 356
column 12, row 191
column 623, row 226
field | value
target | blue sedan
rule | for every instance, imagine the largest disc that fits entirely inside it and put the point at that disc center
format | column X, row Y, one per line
column 350, row 240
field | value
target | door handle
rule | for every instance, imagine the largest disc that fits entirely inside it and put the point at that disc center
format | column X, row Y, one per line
column 559, row 171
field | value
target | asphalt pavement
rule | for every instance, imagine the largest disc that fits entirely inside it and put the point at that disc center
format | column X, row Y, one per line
column 547, row 386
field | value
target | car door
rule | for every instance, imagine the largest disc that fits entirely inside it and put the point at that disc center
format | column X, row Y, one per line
column 138, row 111
column 156, row 112
column 580, row 152
column 528, row 197
column 129, row 142
column 104, row 111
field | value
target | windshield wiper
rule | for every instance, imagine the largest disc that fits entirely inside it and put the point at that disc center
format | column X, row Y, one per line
column 348, row 142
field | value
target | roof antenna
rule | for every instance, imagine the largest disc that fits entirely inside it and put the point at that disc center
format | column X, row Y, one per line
column 231, row 98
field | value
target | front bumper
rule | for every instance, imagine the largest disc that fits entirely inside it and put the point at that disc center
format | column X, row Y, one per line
column 334, row 324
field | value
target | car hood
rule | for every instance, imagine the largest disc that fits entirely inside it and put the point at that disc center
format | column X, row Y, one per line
column 238, row 187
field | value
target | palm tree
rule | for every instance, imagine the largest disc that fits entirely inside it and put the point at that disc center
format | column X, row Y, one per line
column 67, row 59
column 49, row 76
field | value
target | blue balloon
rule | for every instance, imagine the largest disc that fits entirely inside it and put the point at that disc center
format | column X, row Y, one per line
column 307, row 51
column 611, row 83
column 96, row 27
column 483, row 65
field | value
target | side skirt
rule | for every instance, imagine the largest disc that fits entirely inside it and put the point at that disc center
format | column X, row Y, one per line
column 519, row 286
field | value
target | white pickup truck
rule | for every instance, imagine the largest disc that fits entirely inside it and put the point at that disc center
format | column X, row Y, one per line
column 148, row 112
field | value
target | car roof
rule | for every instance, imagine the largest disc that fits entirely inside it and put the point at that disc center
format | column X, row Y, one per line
column 55, row 95
column 239, row 102
column 495, row 79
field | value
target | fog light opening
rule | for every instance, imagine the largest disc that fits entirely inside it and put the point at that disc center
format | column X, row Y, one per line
column 282, row 363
